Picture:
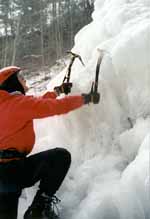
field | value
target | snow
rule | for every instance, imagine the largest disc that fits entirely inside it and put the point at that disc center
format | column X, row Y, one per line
column 109, row 142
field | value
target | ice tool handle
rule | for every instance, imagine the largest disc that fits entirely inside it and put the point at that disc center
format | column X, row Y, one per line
column 74, row 56
column 94, row 88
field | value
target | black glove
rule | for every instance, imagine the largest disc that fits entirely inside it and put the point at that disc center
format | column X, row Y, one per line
column 64, row 88
column 91, row 98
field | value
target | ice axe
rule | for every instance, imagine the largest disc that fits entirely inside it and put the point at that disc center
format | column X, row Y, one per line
column 74, row 56
column 94, row 88
column 66, row 84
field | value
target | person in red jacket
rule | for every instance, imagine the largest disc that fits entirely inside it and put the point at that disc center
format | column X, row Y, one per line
column 17, row 138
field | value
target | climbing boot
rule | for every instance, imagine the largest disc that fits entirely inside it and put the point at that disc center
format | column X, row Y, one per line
column 43, row 207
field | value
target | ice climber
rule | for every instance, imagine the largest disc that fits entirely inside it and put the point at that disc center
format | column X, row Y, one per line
column 17, row 137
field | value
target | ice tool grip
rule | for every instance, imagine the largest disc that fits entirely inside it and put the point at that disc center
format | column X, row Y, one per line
column 99, row 61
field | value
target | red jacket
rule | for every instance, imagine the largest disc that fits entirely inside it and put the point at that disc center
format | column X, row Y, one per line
column 18, row 111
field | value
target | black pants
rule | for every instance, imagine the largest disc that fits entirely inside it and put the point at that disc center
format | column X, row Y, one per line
column 49, row 167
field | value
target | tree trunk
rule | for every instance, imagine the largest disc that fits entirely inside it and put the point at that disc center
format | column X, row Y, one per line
column 42, row 35
column 15, row 41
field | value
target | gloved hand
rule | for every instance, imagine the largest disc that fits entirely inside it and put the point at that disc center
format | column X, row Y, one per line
column 64, row 88
column 91, row 98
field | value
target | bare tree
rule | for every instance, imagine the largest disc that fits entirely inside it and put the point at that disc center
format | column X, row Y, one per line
column 16, row 40
column 42, row 33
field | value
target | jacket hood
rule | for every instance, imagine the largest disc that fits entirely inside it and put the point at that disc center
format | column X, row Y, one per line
column 6, row 72
column 12, row 84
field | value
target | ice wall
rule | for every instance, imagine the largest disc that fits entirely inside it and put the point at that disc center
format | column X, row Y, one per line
column 109, row 142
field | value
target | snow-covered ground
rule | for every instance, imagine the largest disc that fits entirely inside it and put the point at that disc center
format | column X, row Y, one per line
column 109, row 142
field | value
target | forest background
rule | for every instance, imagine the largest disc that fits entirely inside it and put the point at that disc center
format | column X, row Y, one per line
column 34, row 34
